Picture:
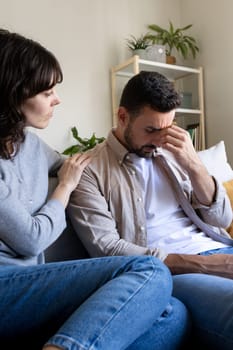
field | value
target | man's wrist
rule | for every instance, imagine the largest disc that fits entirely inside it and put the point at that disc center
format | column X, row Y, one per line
column 216, row 264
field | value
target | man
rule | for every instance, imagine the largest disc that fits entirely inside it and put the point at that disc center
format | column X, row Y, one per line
column 126, row 204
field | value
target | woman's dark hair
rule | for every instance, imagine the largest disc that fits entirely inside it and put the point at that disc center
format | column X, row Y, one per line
column 26, row 69
column 149, row 89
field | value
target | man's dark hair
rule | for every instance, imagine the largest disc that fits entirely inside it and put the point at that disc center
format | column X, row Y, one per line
column 149, row 89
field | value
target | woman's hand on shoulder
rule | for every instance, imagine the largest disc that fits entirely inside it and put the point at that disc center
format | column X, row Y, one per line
column 69, row 175
column 70, row 172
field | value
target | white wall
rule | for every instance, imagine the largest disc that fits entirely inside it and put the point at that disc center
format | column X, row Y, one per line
column 88, row 37
column 213, row 26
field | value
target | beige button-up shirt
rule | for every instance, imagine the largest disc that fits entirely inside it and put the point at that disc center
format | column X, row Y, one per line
column 107, row 208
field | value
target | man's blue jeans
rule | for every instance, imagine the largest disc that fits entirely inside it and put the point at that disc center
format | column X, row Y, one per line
column 110, row 303
column 210, row 302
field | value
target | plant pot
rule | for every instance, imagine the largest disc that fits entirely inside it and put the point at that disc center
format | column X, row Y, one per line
column 170, row 60
column 142, row 53
column 156, row 53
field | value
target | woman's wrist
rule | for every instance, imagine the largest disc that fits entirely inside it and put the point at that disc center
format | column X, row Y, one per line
column 62, row 193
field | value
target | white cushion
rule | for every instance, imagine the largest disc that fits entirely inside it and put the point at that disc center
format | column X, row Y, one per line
column 215, row 160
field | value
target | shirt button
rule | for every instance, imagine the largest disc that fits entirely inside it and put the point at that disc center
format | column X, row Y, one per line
column 142, row 228
column 139, row 199
column 133, row 172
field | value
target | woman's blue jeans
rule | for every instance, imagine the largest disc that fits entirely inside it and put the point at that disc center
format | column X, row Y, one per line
column 110, row 303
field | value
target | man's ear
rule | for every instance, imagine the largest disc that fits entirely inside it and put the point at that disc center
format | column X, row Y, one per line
column 123, row 116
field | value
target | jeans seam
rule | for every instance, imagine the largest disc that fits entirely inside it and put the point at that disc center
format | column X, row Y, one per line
column 154, row 271
column 64, row 338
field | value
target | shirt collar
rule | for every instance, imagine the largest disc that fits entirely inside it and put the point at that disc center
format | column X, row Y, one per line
column 117, row 148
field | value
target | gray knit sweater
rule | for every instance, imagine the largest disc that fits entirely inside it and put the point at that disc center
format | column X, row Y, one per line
column 28, row 224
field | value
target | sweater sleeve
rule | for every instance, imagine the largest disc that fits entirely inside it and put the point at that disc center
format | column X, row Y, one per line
column 29, row 223
column 28, row 234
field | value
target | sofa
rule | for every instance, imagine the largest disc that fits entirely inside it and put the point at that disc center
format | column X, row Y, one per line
column 68, row 246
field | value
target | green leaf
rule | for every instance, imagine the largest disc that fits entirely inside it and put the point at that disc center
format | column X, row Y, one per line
column 186, row 27
column 72, row 150
column 83, row 144
column 156, row 28
column 75, row 134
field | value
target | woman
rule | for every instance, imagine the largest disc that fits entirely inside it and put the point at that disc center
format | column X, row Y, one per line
column 87, row 304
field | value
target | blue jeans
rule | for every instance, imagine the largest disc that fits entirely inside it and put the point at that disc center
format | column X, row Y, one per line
column 210, row 302
column 104, row 303
column 226, row 250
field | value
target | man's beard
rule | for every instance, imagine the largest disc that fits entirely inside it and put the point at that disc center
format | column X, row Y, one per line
column 145, row 151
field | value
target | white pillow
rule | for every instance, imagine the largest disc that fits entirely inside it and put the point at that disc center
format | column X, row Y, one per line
column 215, row 160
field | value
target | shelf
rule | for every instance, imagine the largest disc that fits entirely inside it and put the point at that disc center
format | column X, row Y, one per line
column 188, row 111
column 133, row 64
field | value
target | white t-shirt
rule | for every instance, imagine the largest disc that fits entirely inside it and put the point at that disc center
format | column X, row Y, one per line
column 168, row 227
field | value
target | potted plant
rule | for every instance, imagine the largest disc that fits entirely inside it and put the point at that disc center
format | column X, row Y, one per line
column 138, row 45
column 83, row 144
column 174, row 39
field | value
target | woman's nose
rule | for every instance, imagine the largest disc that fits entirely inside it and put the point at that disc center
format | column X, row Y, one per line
column 57, row 99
